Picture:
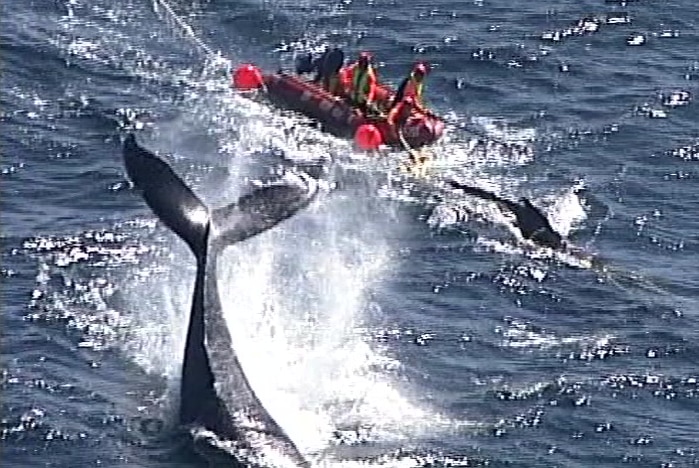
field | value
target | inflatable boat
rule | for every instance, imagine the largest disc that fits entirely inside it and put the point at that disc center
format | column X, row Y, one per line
column 335, row 114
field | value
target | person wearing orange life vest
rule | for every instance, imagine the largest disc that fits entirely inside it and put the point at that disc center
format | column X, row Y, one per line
column 401, row 112
column 413, row 86
column 360, row 79
column 397, row 118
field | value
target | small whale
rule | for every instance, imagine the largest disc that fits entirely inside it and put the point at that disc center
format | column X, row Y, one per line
column 529, row 219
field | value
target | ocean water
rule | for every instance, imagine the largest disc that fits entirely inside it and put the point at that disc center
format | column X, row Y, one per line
column 395, row 322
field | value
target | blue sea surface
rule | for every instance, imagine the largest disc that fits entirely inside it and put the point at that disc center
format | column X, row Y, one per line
column 396, row 321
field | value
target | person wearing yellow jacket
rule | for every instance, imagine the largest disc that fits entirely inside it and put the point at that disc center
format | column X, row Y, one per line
column 413, row 86
column 360, row 81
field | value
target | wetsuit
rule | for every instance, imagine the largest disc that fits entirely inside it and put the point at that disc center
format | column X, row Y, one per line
column 327, row 68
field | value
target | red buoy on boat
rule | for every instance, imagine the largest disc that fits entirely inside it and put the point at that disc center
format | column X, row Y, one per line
column 247, row 76
column 368, row 137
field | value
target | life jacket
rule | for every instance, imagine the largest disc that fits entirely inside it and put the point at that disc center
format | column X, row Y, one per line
column 346, row 78
column 413, row 88
column 363, row 84
column 400, row 113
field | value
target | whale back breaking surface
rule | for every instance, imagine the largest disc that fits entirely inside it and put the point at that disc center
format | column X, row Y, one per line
column 531, row 222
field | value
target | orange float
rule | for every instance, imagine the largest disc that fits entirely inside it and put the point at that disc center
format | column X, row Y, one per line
column 247, row 77
column 368, row 137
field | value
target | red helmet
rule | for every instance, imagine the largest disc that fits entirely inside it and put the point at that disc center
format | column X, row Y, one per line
column 420, row 69
column 365, row 58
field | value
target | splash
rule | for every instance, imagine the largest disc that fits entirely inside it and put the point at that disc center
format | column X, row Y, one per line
column 297, row 299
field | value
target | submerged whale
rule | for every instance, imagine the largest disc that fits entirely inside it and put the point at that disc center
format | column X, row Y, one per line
column 529, row 219
column 215, row 394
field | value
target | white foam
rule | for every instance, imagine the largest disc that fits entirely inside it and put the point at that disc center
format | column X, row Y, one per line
column 567, row 210
column 295, row 300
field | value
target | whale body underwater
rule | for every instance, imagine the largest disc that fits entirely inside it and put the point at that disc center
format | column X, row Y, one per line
column 215, row 395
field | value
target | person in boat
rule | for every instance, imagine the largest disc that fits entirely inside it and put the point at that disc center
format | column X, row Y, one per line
column 360, row 81
column 401, row 112
column 304, row 64
column 328, row 69
column 397, row 118
column 413, row 86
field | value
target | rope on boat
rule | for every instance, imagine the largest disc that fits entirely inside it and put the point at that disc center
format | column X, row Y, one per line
column 187, row 31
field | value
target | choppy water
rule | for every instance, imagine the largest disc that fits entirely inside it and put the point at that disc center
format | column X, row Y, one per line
column 379, row 325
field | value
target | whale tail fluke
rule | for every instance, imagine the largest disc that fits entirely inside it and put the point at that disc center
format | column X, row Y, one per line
column 260, row 210
column 214, row 390
column 167, row 195
column 185, row 213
